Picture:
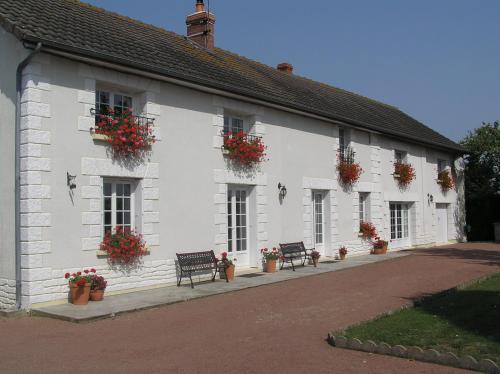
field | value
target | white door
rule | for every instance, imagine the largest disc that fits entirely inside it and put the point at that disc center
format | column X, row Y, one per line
column 400, row 225
column 238, row 225
column 442, row 223
column 319, row 221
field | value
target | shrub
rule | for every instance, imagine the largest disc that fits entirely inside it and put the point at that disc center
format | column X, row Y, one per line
column 404, row 173
column 445, row 180
column 368, row 230
column 245, row 149
column 343, row 251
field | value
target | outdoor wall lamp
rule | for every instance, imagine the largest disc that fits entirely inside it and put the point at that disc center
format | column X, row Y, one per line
column 282, row 190
column 430, row 198
column 70, row 180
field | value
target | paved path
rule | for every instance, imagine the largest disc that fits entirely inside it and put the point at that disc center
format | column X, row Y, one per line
column 276, row 328
column 141, row 300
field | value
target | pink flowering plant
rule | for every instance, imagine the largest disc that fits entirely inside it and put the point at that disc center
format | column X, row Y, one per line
column 272, row 255
column 315, row 255
column 225, row 261
column 342, row 251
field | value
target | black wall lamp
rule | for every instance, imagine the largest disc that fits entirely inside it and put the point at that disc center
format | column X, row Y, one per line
column 430, row 198
column 282, row 190
column 70, row 180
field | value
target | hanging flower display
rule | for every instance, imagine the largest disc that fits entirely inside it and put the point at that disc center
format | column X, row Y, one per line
column 127, row 134
column 368, row 230
column 123, row 246
column 246, row 149
column 349, row 170
column 445, row 180
column 404, row 173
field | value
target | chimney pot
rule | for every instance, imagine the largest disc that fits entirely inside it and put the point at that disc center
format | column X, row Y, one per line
column 285, row 67
column 200, row 6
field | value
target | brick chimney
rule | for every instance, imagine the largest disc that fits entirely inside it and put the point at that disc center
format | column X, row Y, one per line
column 201, row 26
column 285, row 67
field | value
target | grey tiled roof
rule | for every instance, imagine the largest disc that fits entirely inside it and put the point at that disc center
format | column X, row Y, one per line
column 76, row 27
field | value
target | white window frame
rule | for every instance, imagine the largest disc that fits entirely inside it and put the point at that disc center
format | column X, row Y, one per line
column 133, row 201
column 400, row 155
column 112, row 98
column 228, row 124
column 442, row 165
column 364, row 207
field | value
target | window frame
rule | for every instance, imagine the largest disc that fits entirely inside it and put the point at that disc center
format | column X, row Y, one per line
column 403, row 158
column 442, row 165
column 228, row 128
column 399, row 223
column 364, row 207
column 112, row 99
column 133, row 208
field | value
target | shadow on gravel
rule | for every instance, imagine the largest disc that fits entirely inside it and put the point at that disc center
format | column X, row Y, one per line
column 483, row 256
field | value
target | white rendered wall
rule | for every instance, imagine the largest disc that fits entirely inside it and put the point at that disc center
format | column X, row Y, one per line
column 184, row 179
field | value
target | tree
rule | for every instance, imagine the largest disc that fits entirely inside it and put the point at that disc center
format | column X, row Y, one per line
column 482, row 180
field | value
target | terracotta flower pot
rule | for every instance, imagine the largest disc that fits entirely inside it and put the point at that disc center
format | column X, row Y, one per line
column 380, row 251
column 79, row 294
column 315, row 262
column 96, row 295
column 342, row 256
column 230, row 272
column 270, row 266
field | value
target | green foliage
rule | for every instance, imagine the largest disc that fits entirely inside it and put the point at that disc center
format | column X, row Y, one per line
column 482, row 180
column 464, row 322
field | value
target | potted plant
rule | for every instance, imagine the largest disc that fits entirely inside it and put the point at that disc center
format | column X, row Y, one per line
column 349, row 170
column 244, row 148
column 315, row 255
column 379, row 246
column 367, row 230
column 342, row 252
column 126, row 133
column 228, row 266
column 445, row 181
column 123, row 246
column 79, row 286
column 98, row 287
column 404, row 173
column 270, row 258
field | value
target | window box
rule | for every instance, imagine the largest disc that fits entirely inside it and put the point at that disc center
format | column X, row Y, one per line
column 104, row 254
column 244, row 148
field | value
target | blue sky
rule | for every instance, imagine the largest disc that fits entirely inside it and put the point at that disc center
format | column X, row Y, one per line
column 437, row 60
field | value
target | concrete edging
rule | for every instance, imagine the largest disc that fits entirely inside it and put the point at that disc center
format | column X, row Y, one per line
column 415, row 353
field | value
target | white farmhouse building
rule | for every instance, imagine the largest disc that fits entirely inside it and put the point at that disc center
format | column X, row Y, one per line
column 60, row 186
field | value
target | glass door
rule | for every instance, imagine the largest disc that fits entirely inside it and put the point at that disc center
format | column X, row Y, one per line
column 400, row 233
column 238, row 225
column 319, row 221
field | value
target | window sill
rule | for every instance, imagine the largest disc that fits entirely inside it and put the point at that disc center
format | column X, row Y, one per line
column 99, row 137
column 102, row 254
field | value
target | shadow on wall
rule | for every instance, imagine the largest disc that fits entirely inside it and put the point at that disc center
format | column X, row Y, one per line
column 485, row 256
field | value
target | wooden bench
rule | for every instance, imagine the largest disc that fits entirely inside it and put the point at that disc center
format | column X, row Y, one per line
column 193, row 262
column 294, row 251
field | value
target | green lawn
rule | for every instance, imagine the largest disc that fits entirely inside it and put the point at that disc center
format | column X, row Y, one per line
column 466, row 322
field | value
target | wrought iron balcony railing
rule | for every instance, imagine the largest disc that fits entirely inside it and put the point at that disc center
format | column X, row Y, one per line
column 250, row 137
column 141, row 120
column 346, row 154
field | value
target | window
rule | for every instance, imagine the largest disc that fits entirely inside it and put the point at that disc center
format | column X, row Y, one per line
column 363, row 207
column 105, row 100
column 343, row 141
column 399, row 221
column 399, row 156
column 318, row 198
column 233, row 125
column 118, row 205
column 442, row 165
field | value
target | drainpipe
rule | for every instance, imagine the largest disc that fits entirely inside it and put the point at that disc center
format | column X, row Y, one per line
column 19, row 79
